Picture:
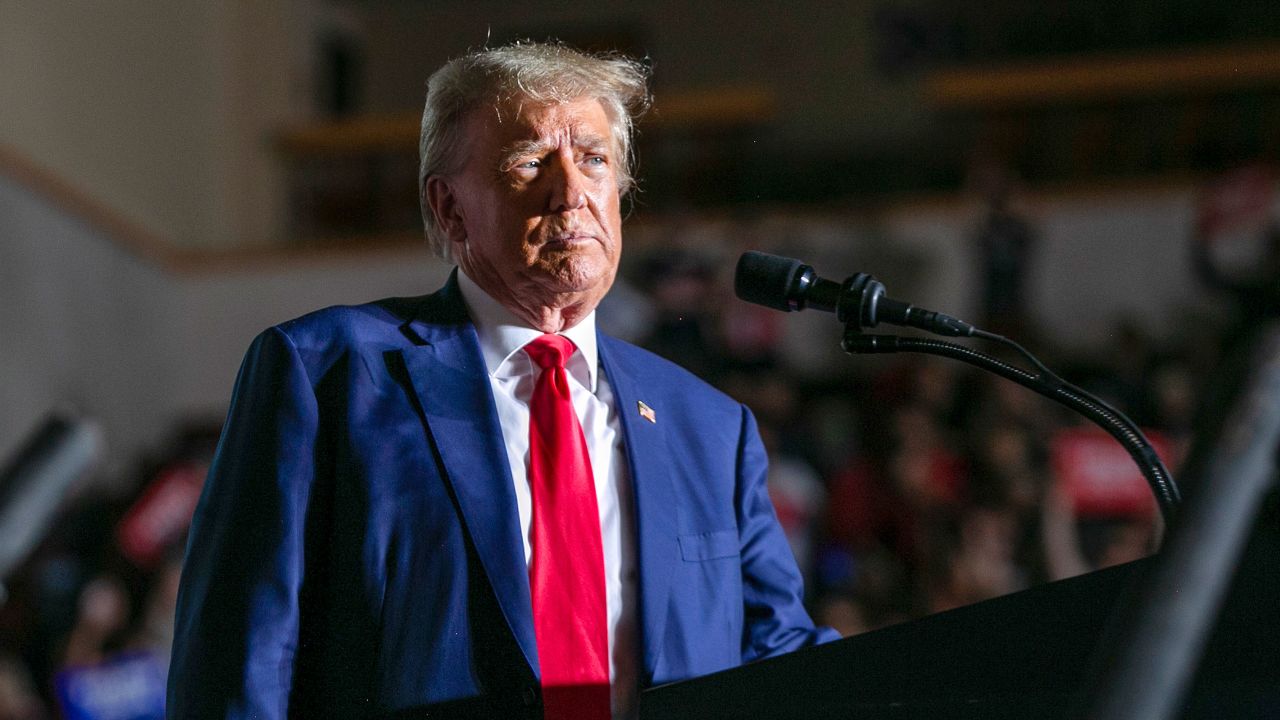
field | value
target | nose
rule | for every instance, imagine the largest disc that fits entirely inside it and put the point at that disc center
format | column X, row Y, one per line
column 569, row 190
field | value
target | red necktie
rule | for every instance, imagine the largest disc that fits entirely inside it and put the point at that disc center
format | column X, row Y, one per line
column 567, row 573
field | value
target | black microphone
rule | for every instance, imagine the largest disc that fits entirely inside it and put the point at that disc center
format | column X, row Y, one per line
column 789, row 285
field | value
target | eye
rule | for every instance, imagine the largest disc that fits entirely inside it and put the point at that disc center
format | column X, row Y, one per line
column 595, row 164
column 528, row 165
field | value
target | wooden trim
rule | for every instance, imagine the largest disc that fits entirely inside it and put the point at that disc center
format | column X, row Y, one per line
column 123, row 231
column 398, row 133
column 1076, row 79
column 161, row 252
column 358, row 136
column 713, row 107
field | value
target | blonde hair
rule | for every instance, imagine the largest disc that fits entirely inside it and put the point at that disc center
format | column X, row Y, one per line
column 540, row 73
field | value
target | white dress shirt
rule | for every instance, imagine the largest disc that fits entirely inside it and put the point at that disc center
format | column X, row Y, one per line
column 512, row 375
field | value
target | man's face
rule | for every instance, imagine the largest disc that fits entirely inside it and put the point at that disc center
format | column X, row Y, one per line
column 533, row 215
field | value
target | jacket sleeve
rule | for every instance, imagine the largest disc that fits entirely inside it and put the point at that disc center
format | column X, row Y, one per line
column 237, row 619
column 775, row 620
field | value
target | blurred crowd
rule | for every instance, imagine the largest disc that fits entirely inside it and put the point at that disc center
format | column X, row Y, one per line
column 906, row 485
column 913, row 484
column 86, row 623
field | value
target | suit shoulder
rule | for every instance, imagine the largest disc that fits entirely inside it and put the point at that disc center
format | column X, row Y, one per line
column 349, row 325
column 324, row 337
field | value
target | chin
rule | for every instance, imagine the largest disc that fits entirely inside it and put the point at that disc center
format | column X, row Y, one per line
column 575, row 274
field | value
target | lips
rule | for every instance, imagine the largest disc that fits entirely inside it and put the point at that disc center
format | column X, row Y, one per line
column 568, row 239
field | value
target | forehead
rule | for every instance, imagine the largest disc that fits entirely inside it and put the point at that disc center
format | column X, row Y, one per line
column 580, row 121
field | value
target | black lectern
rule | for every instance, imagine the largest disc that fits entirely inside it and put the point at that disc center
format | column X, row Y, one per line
column 1025, row 655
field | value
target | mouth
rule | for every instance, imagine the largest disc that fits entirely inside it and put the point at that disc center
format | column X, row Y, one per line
column 568, row 240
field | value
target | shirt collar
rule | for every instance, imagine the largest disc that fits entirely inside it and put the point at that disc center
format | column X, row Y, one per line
column 502, row 336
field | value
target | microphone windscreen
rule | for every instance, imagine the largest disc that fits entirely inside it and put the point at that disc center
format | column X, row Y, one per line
column 767, row 280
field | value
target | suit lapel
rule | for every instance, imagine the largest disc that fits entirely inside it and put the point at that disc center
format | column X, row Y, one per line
column 448, row 376
column 452, row 386
column 647, row 450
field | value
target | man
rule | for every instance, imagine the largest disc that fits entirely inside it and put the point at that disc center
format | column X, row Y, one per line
column 470, row 504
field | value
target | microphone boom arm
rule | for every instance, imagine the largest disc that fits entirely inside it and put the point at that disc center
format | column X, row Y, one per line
column 1100, row 413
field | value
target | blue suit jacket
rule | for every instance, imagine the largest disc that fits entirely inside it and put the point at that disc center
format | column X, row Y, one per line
column 356, row 551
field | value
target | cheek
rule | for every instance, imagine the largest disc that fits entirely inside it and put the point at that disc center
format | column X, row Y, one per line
column 610, row 214
column 503, row 230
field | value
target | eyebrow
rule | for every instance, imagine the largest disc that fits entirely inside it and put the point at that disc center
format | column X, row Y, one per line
column 537, row 147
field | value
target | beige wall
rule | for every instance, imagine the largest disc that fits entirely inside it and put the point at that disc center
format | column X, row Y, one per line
column 89, row 326
column 161, row 109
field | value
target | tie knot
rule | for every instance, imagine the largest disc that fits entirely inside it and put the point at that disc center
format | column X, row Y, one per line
column 549, row 351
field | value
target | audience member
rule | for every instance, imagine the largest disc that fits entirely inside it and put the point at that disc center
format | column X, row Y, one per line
column 102, row 617
column 18, row 697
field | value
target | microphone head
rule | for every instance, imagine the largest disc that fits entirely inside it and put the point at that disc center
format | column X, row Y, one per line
column 769, row 280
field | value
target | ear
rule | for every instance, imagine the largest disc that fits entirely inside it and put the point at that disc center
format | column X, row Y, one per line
column 443, row 201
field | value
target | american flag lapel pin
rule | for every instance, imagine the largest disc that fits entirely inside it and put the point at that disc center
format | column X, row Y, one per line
column 647, row 412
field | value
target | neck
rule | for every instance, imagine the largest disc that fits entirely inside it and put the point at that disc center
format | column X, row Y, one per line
column 549, row 313
column 552, row 319
column 533, row 305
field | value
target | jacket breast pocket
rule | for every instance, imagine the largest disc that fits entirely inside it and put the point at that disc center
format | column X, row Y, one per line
column 697, row 547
